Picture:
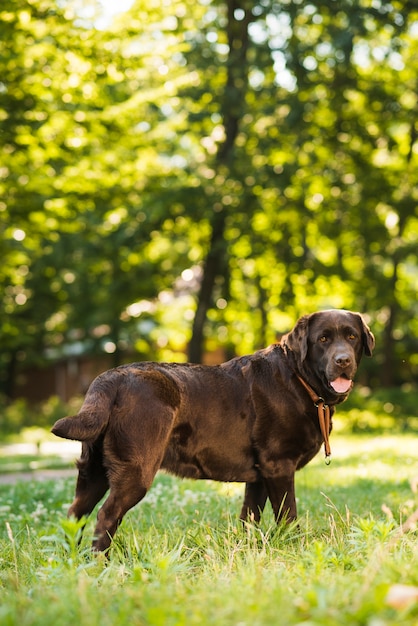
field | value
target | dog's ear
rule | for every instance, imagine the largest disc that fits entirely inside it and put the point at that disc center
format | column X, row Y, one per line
column 297, row 339
column 368, row 337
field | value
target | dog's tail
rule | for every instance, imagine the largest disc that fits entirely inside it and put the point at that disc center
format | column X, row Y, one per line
column 93, row 417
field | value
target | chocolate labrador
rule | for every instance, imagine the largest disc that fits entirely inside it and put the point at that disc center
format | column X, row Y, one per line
column 253, row 419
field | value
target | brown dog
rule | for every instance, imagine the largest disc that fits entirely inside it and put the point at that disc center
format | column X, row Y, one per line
column 253, row 419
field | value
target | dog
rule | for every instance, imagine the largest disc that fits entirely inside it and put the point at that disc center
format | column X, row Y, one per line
column 253, row 419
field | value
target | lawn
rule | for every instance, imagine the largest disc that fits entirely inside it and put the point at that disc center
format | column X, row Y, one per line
column 181, row 557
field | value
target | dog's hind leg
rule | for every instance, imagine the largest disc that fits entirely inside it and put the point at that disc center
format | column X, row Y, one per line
column 92, row 482
column 254, row 501
column 133, row 453
column 127, row 488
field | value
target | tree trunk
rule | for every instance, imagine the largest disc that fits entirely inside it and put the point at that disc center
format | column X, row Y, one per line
column 231, row 109
column 213, row 263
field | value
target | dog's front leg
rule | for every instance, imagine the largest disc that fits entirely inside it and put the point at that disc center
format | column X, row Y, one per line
column 281, row 492
column 254, row 501
column 279, row 476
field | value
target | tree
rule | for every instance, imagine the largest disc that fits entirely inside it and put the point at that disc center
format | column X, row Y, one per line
column 323, row 139
column 259, row 157
column 31, row 162
column 231, row 111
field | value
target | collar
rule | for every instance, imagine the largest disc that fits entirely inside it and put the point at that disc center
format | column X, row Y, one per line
column 324, row 417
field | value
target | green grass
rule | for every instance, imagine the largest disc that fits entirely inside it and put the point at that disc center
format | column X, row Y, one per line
column 31, row 463
column 182, row 558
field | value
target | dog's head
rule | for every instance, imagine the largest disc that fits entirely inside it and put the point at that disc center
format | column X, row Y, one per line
column 328, row 347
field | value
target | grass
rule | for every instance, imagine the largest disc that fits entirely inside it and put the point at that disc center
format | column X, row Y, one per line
column 182, row 558
column 31, row 463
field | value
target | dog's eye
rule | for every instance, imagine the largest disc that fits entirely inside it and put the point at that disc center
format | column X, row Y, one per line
column 323, row 339
column 352, row 336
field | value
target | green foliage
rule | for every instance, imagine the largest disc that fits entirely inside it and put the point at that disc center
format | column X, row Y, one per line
column 383, row 410
column 20, row 415
column 112, row 182
column 181, row 556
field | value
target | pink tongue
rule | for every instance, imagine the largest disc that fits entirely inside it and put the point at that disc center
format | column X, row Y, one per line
column 341, row 385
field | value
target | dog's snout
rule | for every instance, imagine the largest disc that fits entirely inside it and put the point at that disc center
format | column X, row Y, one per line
column 343, row 359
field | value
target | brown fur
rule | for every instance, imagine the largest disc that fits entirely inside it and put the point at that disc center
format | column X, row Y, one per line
column 248, row 420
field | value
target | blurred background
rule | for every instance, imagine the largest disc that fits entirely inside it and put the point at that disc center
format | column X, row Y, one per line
column 181, row 180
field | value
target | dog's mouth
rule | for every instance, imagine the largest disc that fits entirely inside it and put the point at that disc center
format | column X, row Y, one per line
column 342, row 384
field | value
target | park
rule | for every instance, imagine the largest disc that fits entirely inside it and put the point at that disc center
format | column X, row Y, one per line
column 180, row 182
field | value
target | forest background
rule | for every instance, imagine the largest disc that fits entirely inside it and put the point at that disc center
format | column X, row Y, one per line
column 189, row 175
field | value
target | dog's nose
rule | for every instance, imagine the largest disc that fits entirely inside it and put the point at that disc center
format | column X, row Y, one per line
column 342, row 359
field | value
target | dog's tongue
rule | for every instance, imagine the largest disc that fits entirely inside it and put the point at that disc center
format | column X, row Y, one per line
column 341, row 385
